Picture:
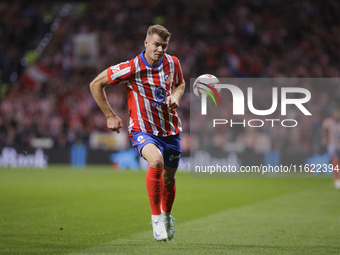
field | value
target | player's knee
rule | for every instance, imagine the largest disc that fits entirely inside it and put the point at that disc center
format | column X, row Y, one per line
column 169, row 180
column 169, row 176
column 156, row 162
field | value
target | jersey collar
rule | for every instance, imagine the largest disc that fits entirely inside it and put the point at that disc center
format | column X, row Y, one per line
column 146, row 62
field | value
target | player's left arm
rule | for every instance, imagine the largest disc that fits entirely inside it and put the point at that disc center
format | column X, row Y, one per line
column 172, row 101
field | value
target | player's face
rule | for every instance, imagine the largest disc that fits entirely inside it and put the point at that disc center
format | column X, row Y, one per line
column 155, row 47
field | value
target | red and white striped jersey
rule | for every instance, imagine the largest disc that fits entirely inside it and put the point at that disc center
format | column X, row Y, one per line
column 333, row 132
column 147, row 88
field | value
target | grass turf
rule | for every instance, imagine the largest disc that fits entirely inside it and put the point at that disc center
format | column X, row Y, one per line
column 97, row 210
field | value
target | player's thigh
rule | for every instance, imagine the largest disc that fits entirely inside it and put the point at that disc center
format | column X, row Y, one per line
column 153, row 155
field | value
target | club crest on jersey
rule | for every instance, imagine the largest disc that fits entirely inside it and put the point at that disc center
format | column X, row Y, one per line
column 168, row 78
column 141, row 139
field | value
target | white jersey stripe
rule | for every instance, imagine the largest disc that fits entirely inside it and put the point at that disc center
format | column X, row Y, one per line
column 172, row 69
column 135, row 94
column 161, row 76
column 177, row 76
column 152, row 88
column 172, row 127
column 140, row 120
column 179, row 124
column 159, row 108
column 128, row 84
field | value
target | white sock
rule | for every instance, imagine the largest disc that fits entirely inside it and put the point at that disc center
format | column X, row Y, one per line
column 156, row 217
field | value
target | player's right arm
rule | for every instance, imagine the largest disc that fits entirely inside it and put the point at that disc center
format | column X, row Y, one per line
column 97, row 87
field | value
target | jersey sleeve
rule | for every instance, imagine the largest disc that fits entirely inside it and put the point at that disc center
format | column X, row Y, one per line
column 119, row 73
column 178, row 72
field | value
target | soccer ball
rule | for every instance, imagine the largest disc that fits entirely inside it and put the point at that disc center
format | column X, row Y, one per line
column 205, row 83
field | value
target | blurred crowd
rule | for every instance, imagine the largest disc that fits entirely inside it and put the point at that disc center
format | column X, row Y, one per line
column 248, row 38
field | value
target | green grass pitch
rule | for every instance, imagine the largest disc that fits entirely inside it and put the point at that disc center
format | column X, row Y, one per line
column 97, row 210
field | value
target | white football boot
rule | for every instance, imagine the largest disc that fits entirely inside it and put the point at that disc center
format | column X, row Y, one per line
column 159, row 231
column 169, row 224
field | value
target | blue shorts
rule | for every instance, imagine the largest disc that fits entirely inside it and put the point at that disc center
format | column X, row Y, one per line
column 169, row 146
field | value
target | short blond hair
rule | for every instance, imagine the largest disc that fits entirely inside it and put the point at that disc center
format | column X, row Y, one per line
column 159, row 30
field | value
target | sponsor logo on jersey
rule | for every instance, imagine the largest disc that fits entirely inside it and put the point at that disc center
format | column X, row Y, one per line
column 141, row 139
column 157, row 104
column 174, row 157
column 115, row 69
column 160, row 94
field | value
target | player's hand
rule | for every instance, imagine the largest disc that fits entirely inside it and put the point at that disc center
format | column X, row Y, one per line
column 114, row 123
column 172, row 102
